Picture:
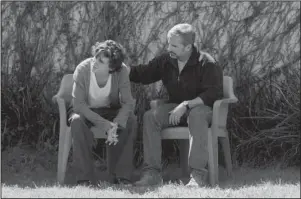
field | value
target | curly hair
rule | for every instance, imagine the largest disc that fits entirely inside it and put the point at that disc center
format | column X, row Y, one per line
column 112, row 50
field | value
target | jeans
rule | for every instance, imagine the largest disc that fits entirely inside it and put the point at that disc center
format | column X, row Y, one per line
column 119, row 156
column 197, row 119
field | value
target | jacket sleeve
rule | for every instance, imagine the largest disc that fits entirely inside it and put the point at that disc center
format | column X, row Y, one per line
column 212, row 83
column 126, row 99
column 79, row 103
column 147, row 73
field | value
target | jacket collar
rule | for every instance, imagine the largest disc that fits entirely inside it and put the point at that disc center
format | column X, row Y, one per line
column 193, row 59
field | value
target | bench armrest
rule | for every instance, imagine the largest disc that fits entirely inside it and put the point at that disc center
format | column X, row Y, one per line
column 62, row 112
column 220, row 112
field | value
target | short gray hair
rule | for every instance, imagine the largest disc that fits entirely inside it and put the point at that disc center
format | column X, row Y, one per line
column 185, row 30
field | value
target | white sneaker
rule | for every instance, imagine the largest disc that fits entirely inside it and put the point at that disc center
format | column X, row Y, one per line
column 198, row 178
column 192, row 183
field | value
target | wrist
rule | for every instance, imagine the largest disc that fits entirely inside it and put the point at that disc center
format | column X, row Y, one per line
column 113, row 124
column 186, row 104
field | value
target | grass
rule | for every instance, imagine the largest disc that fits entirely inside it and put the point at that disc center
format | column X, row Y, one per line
column 22, row 179
column 262, row 190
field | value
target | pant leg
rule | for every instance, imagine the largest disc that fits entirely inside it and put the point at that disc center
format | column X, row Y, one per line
column 198, row 121
column 114, row 151
column 184, row 151
column 120, row 156
column 154, row 121
column 125, row 164
column 82, row 148
column 83, row 142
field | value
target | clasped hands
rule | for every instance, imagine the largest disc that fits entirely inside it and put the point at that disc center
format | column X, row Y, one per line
column 112, row 134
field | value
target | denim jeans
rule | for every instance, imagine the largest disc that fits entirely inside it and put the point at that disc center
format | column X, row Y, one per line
column 119, row 156
column 197, row 119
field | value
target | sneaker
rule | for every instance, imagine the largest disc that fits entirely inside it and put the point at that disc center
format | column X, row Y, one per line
column 150, row 178
column 198, row 178
column 192, row 183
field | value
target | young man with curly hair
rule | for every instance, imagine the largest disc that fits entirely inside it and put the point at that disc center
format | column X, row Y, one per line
column 102, row 98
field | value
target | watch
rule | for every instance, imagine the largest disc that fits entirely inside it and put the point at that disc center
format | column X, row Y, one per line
column 185, row 103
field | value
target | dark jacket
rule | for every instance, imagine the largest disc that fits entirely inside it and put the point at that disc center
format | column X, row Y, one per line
column 198, row 78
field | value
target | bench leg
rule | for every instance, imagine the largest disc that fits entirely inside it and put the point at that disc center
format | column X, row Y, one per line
column 213, row 158
column 227, row 154
column 184, row 150
column 64, row 148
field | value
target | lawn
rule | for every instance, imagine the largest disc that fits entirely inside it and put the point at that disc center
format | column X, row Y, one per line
column 32, row 177
column 260, row 190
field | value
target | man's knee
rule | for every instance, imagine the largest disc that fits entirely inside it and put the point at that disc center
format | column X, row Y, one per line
column 199, row 115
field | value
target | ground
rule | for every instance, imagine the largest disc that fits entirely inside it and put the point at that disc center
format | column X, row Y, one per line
column 26, row 167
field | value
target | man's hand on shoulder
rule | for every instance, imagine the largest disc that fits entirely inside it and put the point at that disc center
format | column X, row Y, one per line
column 127, row 67
column 206, row 57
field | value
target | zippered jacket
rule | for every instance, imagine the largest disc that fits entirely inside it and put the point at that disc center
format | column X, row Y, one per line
column 202, row 79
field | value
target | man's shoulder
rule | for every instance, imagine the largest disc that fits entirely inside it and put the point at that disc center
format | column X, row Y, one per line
column 162, row 57
column 164, row 60
column 165, row 56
